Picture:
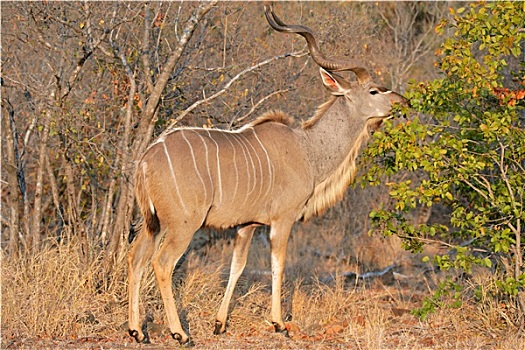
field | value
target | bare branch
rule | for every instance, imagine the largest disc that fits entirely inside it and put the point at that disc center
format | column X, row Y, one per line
column 364, row 276
column 147, row 122
column 145, row 47
column 228, row 84
column 255, row 106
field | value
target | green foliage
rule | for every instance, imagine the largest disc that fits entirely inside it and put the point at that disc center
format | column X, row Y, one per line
column 470, row 153
column 446, row 290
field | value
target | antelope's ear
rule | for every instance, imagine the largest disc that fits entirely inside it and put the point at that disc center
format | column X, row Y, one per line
column 332, row 82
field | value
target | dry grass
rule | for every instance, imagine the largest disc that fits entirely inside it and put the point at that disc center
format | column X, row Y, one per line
column 56, row 294
column 53, row 299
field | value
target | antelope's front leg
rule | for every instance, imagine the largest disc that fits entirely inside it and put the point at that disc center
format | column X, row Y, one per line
column 279, row 234
column 240, row 254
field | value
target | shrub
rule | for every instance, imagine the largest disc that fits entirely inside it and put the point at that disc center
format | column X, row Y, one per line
column 465, row 145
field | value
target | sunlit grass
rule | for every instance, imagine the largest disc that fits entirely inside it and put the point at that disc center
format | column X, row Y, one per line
column 55, row 294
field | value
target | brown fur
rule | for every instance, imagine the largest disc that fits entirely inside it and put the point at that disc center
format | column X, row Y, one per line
column 265, row 173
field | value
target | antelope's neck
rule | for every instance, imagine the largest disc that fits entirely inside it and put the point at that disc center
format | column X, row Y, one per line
column 332, row 138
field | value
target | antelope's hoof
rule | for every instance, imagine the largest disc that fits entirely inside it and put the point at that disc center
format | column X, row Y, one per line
column 281, row 329
column 187, row 343
column 218, row 328
column 135, row 334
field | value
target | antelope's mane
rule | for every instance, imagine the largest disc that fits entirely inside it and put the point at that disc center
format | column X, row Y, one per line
column 273, row 116
column 321, row 110
column 331, row 190
column 283, row 118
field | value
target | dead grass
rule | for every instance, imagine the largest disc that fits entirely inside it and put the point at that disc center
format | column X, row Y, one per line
column 54, row 299
column 56, row 294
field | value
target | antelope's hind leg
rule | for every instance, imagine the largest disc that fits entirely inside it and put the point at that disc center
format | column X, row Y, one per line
column 171, row 249
column 139, row 254
column 240, row 254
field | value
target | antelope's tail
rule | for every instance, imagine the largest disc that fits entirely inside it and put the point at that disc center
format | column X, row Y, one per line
column 149, row 214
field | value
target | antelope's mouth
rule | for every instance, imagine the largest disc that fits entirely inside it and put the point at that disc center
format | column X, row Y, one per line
column 374, row 123
column 398, row 112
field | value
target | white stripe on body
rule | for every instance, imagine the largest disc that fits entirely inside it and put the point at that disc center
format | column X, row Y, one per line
column 237, row 138
column 207, row 160
column 159, row 140
column 195, row 165
column 218, row 166
column 260, row 165
column 270, row 165
column 227, row 136
column 241, row 140
column 174, row 177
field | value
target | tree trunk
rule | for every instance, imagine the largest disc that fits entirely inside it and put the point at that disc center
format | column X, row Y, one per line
column 12, row 182
column 144, row 133
column 39, row 186
column 56, row 197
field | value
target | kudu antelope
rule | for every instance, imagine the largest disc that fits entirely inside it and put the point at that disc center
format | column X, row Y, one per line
column 265, row 173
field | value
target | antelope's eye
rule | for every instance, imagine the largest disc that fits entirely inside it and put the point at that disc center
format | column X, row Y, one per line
column 373, row 92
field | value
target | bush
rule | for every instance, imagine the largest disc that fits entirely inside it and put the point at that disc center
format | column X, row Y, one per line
column 465, row 146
